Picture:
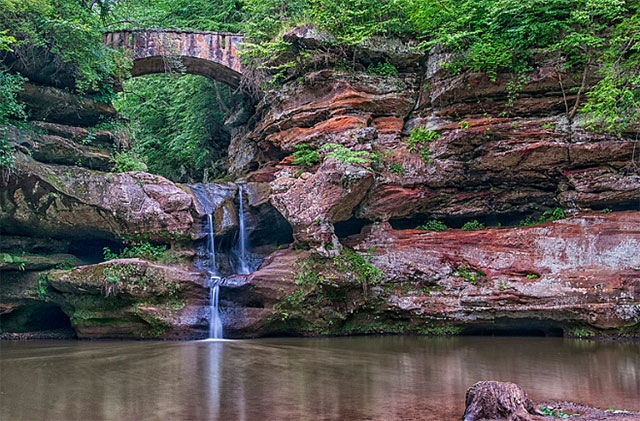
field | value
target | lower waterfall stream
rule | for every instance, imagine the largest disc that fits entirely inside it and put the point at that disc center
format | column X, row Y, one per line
column 215, row 324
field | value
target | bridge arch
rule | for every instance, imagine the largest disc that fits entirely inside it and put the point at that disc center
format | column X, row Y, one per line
column 210, row 54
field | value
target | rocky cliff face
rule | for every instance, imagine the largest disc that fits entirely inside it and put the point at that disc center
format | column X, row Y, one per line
column 455, row 148
column 578, row 276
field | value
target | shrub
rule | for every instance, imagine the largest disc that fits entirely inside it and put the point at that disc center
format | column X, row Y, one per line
column 433, row 225
column 383, row 69
column 42, row 286
column 346, row 155
column 548, row 215
column 142, row 250
column 473, row 225
column 396, row 168
column 419, row 141
column 128, row 161
column 304, row 155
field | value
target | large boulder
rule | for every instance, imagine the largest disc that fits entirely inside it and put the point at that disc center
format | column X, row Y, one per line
column 312, row 203
column 132, row 298
column 72, row 202
column 58, row 144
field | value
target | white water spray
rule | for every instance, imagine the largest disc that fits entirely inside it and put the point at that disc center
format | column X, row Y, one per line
column 242, row 238
column 215, row 324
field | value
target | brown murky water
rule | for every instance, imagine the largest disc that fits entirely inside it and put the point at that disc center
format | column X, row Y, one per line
column 371, row 378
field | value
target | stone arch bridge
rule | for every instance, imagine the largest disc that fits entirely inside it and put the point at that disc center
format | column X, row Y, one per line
column 210, row 54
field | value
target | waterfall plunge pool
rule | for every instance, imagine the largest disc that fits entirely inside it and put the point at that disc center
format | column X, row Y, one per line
column 350, row 378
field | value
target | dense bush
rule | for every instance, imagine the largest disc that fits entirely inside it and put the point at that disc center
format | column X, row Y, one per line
column 71, row 30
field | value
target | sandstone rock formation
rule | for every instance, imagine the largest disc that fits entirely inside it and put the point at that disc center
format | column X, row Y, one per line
column 577, row 276
column 440, row 146
column 312, row 203
column 68, row 201
column 132, row 298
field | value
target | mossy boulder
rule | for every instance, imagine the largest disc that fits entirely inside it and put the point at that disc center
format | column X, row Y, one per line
column 133, row 298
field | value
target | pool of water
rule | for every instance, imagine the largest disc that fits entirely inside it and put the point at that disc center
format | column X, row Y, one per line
column 351, row 378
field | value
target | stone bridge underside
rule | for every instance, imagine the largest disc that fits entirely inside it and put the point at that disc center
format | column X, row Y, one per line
column 210, row 54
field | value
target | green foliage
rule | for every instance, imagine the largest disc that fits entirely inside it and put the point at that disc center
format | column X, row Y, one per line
column 353, row 21
column 6, row 40
column 205, row 15
column 346, row 155
column 268, row 18
column 556, row 412
column 473, row 225
column 353, row 262
column 464, row 125
column 383, row 69
column 579, row 332
column 304, row 155
column 176, row 123
column 42, row 286
column 613, row 105
column 142, row 250
column 396, row 168
column 473, row 276
column 548, row 215
column 127, row 161
column 9, row 108
column 532, row 276
column 72, row 31
column 66, row 264
column 419, row 140
column 433, row 225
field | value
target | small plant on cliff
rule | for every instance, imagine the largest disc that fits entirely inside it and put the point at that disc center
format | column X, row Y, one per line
column 433, row 225
column 143, row 250
column 548, row 215
column 473, row 225
column 383, row 69
column 473, row 276
column 346, row 155
column 352, row 262
column 114, row 276
column 42, row 287
column 305, row 155
column 419, row 141
column 396, row 168
column 556, row 412
column 127, row 161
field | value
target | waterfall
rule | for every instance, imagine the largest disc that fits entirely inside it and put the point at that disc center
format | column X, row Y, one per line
column 242, row 238
column 215, row 324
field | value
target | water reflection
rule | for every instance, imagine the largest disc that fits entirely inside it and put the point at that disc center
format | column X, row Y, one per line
column 335, row 378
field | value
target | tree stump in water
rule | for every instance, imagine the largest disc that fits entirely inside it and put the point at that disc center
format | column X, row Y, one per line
column 489, row 400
